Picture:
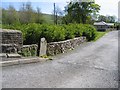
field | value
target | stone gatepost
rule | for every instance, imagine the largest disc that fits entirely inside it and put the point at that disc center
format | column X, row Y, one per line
column 43, row 47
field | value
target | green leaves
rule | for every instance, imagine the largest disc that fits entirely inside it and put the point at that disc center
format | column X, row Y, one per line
column 32, row 33
column 79, row 12
column 54, row 33
column 90, row 32
column 108, row 19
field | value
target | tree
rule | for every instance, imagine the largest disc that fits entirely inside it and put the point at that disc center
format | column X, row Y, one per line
column 26, row 13
column 38, row 18
column 4, row 16
column 108, row 18
column 9, row 16
column 102, row 18
column 80, row 12
column 22, row 16
column 58, row 15
column 111, row 19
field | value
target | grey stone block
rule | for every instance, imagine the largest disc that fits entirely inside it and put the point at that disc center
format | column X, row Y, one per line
column 13, row 56
column 13, row 37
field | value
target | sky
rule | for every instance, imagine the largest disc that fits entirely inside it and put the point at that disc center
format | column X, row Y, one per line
column 108, row 7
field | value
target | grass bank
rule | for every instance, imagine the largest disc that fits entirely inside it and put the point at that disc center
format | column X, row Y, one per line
column 99, row 35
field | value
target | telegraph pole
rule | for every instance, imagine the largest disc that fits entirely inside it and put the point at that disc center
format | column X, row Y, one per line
column 56, row 17
column 54, row 13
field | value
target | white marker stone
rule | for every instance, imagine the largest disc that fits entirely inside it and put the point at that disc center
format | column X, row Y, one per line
column 43, row 47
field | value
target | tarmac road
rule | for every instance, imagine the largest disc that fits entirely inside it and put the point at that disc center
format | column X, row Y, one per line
column 90, row 65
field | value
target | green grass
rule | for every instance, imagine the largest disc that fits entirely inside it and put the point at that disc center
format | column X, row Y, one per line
column 99, row 35
column 48, row 18
column 0, row 25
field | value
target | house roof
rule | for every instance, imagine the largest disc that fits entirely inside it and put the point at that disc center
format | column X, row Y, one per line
column 104, row 23
column 110, row 24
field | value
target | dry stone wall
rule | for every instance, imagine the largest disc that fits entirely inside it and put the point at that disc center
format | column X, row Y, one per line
column 29, row 50
column 54, row 48
column 12, row 42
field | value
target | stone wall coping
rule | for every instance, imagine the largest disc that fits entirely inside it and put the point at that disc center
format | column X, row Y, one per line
column 66, row 40
column 8, row 44
column 9, row 30
column 25, row 46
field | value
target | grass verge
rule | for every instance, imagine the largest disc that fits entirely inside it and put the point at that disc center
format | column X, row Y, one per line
column 99, row 35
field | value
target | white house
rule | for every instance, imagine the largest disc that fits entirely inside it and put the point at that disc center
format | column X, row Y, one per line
column 103, row 26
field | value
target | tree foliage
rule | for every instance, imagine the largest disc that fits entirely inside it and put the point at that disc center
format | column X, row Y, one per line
column 80, row 12
column 25, row 15
column 108, row 19
column 9, row 16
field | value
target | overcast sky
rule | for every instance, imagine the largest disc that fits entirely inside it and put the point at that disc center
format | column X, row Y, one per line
column 108, row 7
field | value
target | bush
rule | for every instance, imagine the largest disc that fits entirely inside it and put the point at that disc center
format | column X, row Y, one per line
column 26, row 52
column 53, row 33
column 79, row 28
column 59, row 33
column 90, row 32
column 33, row 32
column 69, row 31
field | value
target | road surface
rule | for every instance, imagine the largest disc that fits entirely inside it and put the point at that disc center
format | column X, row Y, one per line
column 90, row 65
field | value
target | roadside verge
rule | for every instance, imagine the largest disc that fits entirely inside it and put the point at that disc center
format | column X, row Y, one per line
column 22, row 61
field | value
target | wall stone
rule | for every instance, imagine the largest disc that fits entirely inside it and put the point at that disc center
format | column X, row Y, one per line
column 29, row 50
column 11, row 39
column 54, row 48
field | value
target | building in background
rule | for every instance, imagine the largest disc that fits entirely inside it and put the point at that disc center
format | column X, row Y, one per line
column 103, row 26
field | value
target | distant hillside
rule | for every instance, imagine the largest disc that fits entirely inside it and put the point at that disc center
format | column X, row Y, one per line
column 48, row 18
column 12, row 16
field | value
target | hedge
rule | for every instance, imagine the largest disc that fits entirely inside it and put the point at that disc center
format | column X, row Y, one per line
column 33, row 32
